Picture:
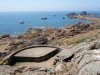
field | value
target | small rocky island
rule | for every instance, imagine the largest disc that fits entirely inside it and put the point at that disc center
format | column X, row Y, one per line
column 72, row 50
column 84, row 13
column 22, row 22
column 44, row 18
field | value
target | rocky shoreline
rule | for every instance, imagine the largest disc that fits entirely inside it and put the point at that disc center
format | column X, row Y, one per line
column 49, row 36
column 81, row 43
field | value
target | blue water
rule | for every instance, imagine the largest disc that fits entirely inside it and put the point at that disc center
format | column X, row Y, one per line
column 10, row 22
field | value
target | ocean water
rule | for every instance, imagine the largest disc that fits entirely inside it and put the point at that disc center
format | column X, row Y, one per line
column 10, row 21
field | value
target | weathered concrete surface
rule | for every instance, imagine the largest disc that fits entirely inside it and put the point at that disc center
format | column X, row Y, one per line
column 32, row 54
column 45, row 64
column 40, row 59
column 9, row 57
column 35, row 52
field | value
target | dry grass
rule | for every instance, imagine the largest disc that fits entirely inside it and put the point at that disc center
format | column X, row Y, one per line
column 89, row 36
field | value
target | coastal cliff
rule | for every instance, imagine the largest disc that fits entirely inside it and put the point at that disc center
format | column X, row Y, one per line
column 80, row 44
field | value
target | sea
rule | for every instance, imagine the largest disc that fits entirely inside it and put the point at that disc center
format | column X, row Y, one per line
column 10, row 22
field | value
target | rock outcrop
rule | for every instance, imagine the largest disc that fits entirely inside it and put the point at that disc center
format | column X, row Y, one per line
column 47, row 36
column 73, row 15
column 82, row 59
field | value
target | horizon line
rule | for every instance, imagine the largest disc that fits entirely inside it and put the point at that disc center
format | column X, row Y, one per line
column 54, row 11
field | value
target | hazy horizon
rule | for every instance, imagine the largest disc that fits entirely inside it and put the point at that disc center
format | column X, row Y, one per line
column 48, row 5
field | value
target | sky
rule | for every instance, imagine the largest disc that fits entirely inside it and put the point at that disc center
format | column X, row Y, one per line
column 49, row 5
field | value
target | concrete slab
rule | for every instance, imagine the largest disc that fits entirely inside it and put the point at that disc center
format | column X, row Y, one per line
column 46, row 64
column 35, row 52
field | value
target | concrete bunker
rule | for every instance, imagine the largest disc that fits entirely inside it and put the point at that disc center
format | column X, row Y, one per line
column 33, row 54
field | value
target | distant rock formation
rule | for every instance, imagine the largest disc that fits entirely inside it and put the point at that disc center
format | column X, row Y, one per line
column 63, row 18
column 44, row 18
column 83, row 13
column 22, row 22
column 73, row 14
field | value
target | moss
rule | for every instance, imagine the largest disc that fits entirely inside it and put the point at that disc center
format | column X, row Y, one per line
column 80, row 41
column 98, row 27
column 86, row 39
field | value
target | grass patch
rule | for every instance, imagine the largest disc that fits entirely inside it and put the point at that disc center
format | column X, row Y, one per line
column 81, row 40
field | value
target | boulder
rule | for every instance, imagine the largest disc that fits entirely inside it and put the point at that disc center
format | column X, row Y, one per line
column 40, row 40
column 87, row 58
column 95, row 45
column 5, row 36
column 89, row 64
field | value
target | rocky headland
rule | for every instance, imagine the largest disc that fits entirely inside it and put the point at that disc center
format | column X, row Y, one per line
column 80, row 44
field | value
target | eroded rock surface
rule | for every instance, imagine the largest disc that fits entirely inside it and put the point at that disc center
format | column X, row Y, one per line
column 83, row 59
